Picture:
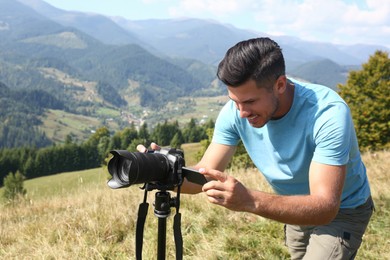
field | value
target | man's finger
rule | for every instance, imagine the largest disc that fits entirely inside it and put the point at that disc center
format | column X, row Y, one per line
column 141, row 148
column 155, row 147
column 214, row 174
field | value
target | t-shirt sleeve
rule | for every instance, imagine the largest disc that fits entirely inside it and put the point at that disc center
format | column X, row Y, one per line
column 225, row 131
column 332, row 135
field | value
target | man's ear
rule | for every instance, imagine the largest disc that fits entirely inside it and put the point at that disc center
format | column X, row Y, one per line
column 281, row 84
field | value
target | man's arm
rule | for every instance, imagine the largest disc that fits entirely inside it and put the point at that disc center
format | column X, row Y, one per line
column 317, row 208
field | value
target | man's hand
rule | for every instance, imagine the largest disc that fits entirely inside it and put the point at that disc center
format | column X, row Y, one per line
column 226, row 191
column 317, row 208
column 141, row 148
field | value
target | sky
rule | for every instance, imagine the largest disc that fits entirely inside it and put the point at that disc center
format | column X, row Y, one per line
column 335, row 21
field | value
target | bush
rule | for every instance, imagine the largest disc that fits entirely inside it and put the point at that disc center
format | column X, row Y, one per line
column 13, row 186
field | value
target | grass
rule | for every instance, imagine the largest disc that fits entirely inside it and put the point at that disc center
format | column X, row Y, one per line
column 107, row 112
column 76, row 216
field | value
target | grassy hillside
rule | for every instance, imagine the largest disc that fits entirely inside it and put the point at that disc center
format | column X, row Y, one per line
column 57, row 124
column 76, row 216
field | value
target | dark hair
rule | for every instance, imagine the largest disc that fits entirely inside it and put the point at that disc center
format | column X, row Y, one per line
column 259, row 59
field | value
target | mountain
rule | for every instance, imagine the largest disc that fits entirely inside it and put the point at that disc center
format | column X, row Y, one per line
column 94, row 70
column 19, row 21
column 98, row 26
column 204, row 40
column 48, row 44
column 161, row 80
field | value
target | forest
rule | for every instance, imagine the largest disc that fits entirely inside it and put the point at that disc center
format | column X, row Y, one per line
column 35, row 162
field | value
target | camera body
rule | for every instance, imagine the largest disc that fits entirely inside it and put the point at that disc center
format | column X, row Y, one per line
column 163, row 168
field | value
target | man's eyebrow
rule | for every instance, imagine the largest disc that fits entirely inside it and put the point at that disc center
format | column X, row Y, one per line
column 245, row 101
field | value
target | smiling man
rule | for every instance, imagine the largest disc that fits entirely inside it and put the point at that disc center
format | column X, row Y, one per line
column 301, row 138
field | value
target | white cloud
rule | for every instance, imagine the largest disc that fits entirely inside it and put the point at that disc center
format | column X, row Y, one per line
column 218, row 8
column 365, row 21
column 331, row 20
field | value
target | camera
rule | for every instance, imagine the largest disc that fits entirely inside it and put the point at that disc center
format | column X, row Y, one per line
column 164, row 168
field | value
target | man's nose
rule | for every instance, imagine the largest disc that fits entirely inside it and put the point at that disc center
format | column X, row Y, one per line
column 244, row 112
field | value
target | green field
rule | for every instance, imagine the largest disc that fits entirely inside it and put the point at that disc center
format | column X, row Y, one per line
column 57, row 124
column 76, row 216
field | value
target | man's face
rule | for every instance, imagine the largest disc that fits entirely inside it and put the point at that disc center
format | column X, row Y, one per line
column 257, row 104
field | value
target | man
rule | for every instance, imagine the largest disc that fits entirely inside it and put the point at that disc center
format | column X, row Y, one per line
column 302, row 139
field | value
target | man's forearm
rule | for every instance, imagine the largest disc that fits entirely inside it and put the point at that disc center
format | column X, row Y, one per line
column 296, row 210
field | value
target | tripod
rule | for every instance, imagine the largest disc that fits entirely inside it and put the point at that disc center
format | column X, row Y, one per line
column 162, row 209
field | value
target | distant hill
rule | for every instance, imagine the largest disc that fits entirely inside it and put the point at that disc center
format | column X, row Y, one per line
column 324, row 72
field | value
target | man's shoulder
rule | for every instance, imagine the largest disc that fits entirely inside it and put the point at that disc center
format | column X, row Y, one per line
column 318, row 95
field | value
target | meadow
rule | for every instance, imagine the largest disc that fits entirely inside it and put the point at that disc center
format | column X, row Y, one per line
column 76, row 216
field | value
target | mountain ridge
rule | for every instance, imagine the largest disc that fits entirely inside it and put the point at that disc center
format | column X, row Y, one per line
column 160, row 35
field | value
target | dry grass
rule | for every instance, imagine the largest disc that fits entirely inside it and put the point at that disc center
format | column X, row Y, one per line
column 85, row 219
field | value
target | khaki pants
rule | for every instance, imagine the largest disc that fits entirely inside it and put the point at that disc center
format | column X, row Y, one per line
column 340, row 239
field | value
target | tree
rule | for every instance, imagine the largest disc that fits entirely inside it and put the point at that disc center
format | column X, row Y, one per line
column 128, row 135
column 194, row 132
column 164, row 133
column 143, row 134
column 13, row 186
column 116, row 141
column 100, row 133
column 367, row 93
column 177, row 140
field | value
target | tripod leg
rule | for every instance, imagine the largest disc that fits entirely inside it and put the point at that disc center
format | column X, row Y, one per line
column 139, row 234
column 162, row 234
column 178, row 236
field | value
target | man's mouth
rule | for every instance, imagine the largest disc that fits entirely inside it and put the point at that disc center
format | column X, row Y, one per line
column 252, row 119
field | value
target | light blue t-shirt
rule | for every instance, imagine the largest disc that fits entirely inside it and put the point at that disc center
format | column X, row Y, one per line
column 317, row 128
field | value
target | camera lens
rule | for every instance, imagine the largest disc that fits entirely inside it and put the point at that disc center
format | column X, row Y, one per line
column 125, row 167
column 133, row 168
